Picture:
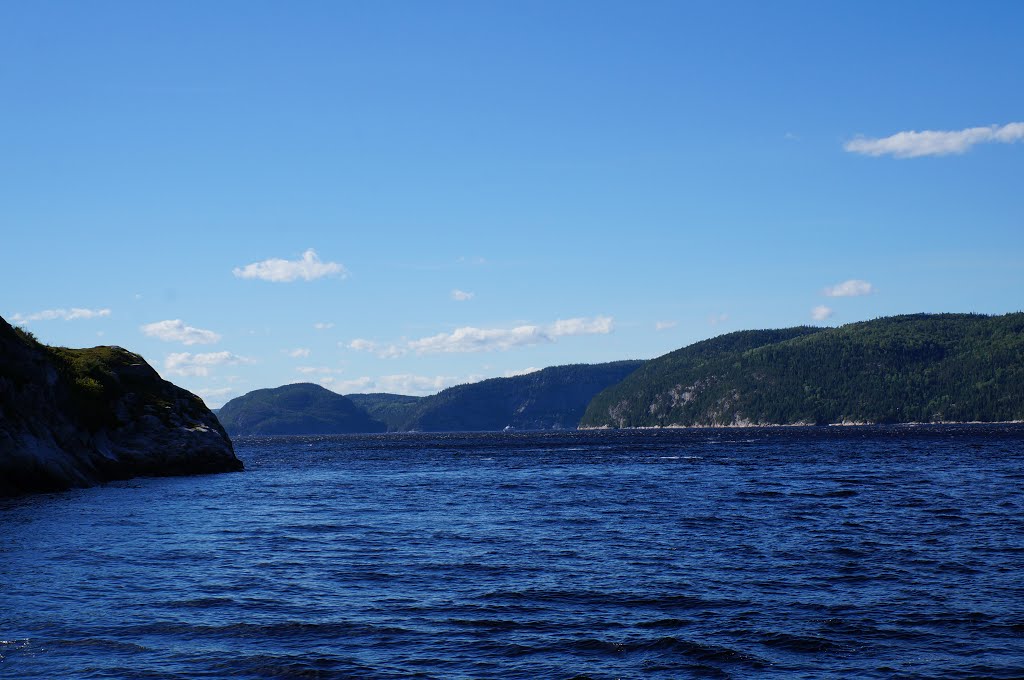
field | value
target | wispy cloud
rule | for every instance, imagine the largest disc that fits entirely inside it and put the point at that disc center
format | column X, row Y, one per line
column 462, row 295
column 186, row 363
column 850, row 288
column 913, row 144
column 665, row 325
column 821, row 312
column 297, row 353
column 598, row 325
column 323, row 325
column 362, row 345
column 363, row 385
column 72, row 314
column 317, row 370
column 276, row 270
column 716, row 319
column 402, row 383
column 175, row 330
column 472, row 339
column 215, row 396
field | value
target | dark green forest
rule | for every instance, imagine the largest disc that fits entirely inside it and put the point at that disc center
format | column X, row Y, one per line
column 394, row 410
column 913, row 368
column 302, row 408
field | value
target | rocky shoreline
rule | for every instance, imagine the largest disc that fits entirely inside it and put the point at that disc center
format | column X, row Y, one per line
column 80, row 417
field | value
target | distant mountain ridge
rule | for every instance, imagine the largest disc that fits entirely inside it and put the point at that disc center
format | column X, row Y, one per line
column 912, row 368
column 552, row 398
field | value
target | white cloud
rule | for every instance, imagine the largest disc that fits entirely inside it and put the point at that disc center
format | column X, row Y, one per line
column 323, row 325
column 362, row 345
column 383, row 351
column 599, row 325
column 407, row 383
column 402, row 383
column 665, row 325
column 215, row 396
column 716, row 319
column 276, row 270
column 471, row 339
column 73, row 314
column 317, row 370
column 186, row 363
column 821, row 312
column 912, row 144
column 297, row 353
column 850, row 288
column 462, row 295
column 391, row 352
column 175, row 330
column 524, row 371
column 364, row 384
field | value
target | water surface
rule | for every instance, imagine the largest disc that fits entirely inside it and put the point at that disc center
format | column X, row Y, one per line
column 803, row 552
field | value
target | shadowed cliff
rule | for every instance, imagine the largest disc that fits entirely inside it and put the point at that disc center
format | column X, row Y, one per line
column 78, row 417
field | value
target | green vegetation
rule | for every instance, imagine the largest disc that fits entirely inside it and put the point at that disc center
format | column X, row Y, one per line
column 76, row 417
column 302, row 408
column 915, row 368
column 99, row 375
column 552, row 398
column 394, row 410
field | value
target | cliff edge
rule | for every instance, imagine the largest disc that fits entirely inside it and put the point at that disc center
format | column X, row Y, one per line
column 79, row 417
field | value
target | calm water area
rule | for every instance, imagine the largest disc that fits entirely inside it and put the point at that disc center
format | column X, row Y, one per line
column 871, row 552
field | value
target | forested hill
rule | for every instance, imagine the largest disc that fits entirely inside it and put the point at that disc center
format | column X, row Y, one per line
column 915, row 368
column 394, row 410
column 552, row 398
column 302, row 408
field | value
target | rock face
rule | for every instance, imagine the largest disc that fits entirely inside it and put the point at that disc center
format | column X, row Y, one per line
column 78, row 417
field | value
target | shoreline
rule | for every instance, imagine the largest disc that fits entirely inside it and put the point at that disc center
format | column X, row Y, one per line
column 740, row 426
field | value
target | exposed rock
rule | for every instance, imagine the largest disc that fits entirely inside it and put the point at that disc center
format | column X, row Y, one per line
column 78, row 417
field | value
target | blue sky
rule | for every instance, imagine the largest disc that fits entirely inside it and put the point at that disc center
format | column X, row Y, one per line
column 402, row 196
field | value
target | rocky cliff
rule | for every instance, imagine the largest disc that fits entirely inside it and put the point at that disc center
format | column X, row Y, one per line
column 78, row 417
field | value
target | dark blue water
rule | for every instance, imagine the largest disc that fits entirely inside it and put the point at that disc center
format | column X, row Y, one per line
column 819, row 552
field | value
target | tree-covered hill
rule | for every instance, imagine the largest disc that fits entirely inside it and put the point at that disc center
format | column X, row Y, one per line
column 302, row 408
column 552, row 398
column 914, row 368
column 394, row 410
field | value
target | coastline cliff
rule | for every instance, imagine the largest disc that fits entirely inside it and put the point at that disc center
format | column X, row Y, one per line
column 79, row 417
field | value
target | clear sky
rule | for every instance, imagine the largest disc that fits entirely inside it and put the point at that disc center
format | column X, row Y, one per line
column 401, row 196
